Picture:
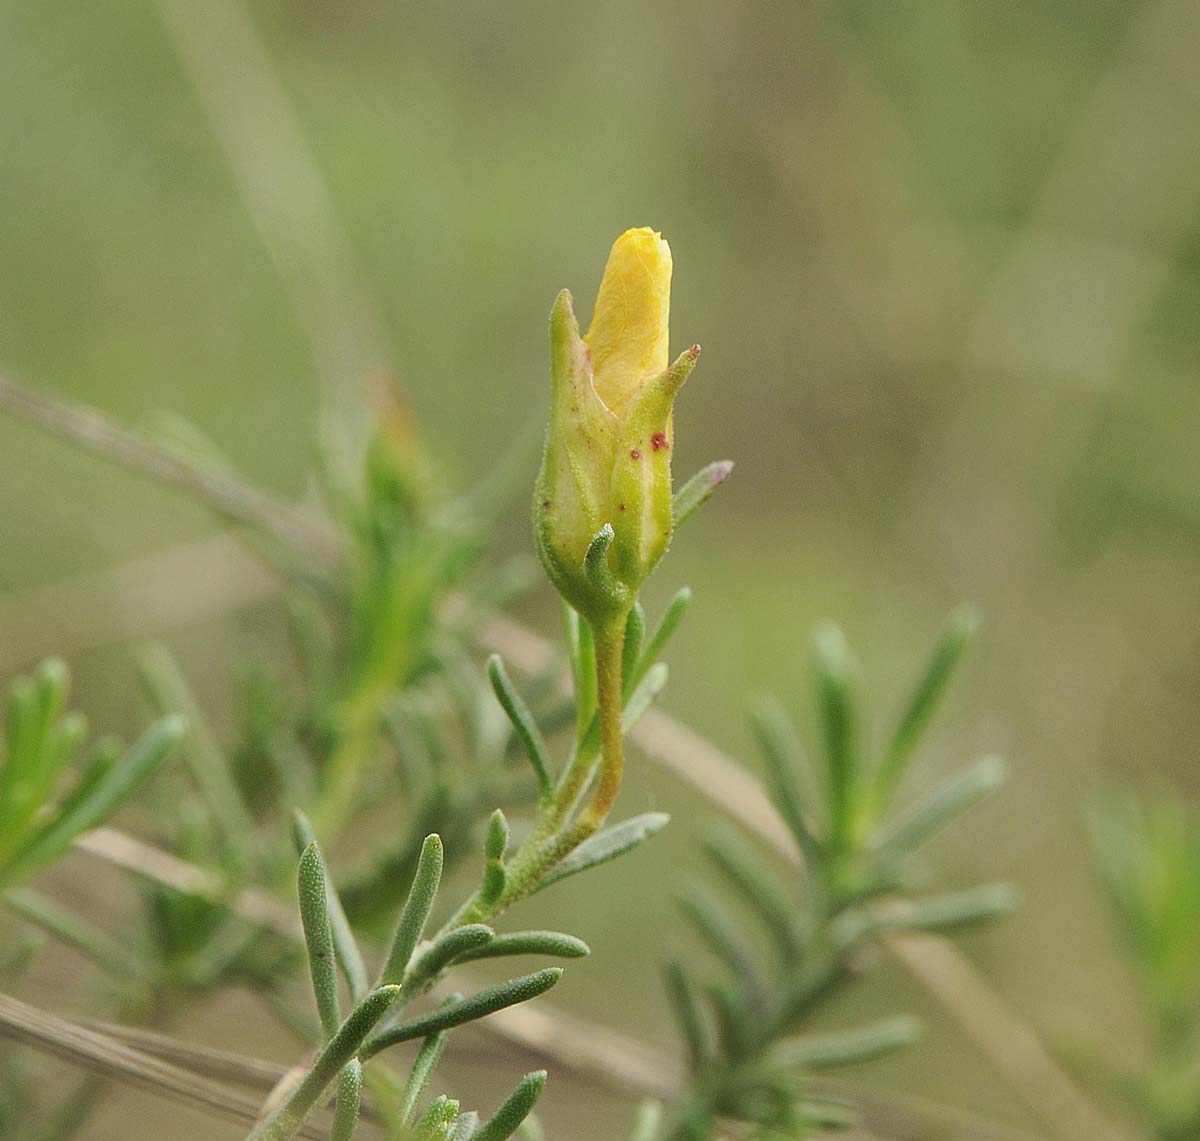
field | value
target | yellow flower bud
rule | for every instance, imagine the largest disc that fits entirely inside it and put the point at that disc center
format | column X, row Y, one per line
column 602, row 508
column 628, row 334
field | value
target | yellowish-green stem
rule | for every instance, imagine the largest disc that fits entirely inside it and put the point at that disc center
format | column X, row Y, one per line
column 610, row 647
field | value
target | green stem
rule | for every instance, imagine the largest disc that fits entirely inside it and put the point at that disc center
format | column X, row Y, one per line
column 553, row 837
column 610, row 649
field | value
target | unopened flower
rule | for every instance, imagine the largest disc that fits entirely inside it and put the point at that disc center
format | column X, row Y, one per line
column 602, row 507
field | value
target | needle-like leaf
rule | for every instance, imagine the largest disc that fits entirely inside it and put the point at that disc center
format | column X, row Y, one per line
column 519, row 1104
column 415, row 913
column 479, row 1005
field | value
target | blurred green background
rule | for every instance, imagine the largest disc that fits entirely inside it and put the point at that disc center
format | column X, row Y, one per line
column 944, row 260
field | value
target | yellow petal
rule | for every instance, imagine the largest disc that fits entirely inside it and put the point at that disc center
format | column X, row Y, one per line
column 628, row 336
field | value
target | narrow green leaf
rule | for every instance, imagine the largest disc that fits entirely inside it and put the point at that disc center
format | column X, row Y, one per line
column 721, row 933
column 776, row 737
column 581, row 646
column 66, row 739
column 644, row 696
column 418, row 1077
column 318, row 937
column 940, row 808
column 836, row 701
column 850, row 1047
column 494, row 849
column 519, row 1104
column 735, row 1023
column 607, row 845
column 529, row 943
column 756, row 884
column 340, row 1050
column 345, row 946
column 496, row 844
column 100, row 759
column 210, row 769
column 686, row 1004
column 952, row 641
column 53, row 681
column 635, row 631
column 349, row 1099
column 18, row 777
column 34, row 769
column 949, row 910
column 445, row 950
column 672, row 617
column 415, row 913
column 109, row 791
column 525, row 725
column 696, row 491
column 467, row 1010
column 75, row 931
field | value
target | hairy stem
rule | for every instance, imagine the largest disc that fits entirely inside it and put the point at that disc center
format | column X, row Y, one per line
column 610, row 648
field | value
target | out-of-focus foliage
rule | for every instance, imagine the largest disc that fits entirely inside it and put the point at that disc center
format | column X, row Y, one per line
column 1148, row 849
column 749, row 1057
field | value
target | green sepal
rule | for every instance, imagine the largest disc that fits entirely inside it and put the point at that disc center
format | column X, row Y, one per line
column 642, row 510
column 609, row 594
column 571, row 495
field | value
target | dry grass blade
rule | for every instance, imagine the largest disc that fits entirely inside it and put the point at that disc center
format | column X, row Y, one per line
column 101, row 1054
column 133, row 855
column 227, row 495
column 205, row 1061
